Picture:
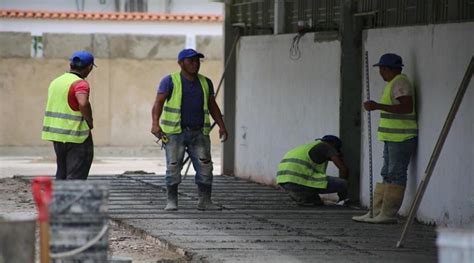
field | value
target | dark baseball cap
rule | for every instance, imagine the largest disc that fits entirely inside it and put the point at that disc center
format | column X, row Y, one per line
column 333, row 139
column 390, row 60
column 82, row 59
column 189, row 53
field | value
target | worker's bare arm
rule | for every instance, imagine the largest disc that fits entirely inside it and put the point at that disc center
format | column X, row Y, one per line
column 217, row 116
column 85, row 108
column 156, row 113
column 341, row 166
column 405, row 106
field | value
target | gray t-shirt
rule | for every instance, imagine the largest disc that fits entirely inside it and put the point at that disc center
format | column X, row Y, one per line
column 322, row 153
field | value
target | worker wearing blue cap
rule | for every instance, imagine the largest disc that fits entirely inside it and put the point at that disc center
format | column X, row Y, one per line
column 180, row 116
column 398, row 129
column 302, row 171
column 68, row 119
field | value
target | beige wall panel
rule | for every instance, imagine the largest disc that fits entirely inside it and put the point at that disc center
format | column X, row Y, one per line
column 122, row 94
column 63, row 45
column 24, row 84
column 15, row 45
column 210, row 46
column 145, row 47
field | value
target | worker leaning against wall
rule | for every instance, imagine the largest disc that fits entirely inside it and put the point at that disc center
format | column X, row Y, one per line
column 68, row 119
column 398, row 129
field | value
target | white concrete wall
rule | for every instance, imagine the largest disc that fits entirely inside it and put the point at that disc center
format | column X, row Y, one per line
column 282, row 103
column 436, row 58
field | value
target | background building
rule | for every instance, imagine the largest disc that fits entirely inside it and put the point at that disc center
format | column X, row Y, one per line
column 135, row 44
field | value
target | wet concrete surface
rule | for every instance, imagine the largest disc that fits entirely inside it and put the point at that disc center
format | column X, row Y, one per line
column 257, row 224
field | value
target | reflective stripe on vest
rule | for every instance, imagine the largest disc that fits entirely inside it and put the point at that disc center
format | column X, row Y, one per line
column 396, row 127
column 61, row 123
column 170, row 120
column 297, row 167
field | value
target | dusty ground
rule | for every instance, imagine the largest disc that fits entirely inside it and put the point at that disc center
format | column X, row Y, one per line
column 15, row 197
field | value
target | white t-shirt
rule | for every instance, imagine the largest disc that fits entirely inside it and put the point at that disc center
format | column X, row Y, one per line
column 401, row 87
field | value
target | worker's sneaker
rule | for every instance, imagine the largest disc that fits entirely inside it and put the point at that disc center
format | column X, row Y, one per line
column 345, row 202
column 205, row 203
column 172, row 202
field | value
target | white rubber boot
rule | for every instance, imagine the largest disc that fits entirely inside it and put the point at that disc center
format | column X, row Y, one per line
column 392, row 201
column 378, row 198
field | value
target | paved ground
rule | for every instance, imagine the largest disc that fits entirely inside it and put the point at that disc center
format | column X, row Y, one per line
column 257, row 224
column 41, row 161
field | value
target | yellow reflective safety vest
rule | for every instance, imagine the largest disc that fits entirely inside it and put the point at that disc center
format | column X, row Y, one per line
column 61, row 123
column 170, row 120
column 298, row 168
column 396, row 127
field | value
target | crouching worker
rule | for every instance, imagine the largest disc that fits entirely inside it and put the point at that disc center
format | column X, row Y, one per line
column 302, row 172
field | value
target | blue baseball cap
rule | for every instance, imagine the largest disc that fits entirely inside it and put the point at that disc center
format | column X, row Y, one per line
column 390, row 60
column 189, row 53
column 333, row 139
column 82, row 59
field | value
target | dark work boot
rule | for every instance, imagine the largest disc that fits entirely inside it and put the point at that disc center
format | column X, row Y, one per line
column 172, row 203
column 305, row 199
column 205, row 203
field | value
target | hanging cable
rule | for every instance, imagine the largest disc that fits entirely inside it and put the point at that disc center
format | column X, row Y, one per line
column 295, row 52
column 302, row 28
column 369, row 134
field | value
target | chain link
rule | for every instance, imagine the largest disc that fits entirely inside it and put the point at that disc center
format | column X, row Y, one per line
column 369, row 134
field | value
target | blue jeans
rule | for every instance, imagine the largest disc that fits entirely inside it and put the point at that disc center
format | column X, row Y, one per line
column 335, row 185
column 198, row 147
column 396, row 157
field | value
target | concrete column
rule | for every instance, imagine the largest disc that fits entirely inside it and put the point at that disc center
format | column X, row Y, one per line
column 279, row 21
column 228, row 155
column 351, row 92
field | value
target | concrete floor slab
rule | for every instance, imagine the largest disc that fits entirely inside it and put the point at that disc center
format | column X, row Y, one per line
column 257, row 224
column 260, row 224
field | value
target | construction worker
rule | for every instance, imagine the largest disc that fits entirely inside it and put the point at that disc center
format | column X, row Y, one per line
column 302, row 172
column 398, row 130
column 181, row 119
column 68, row 119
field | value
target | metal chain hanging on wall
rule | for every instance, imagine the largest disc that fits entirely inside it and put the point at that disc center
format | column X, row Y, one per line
column 369, row 134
